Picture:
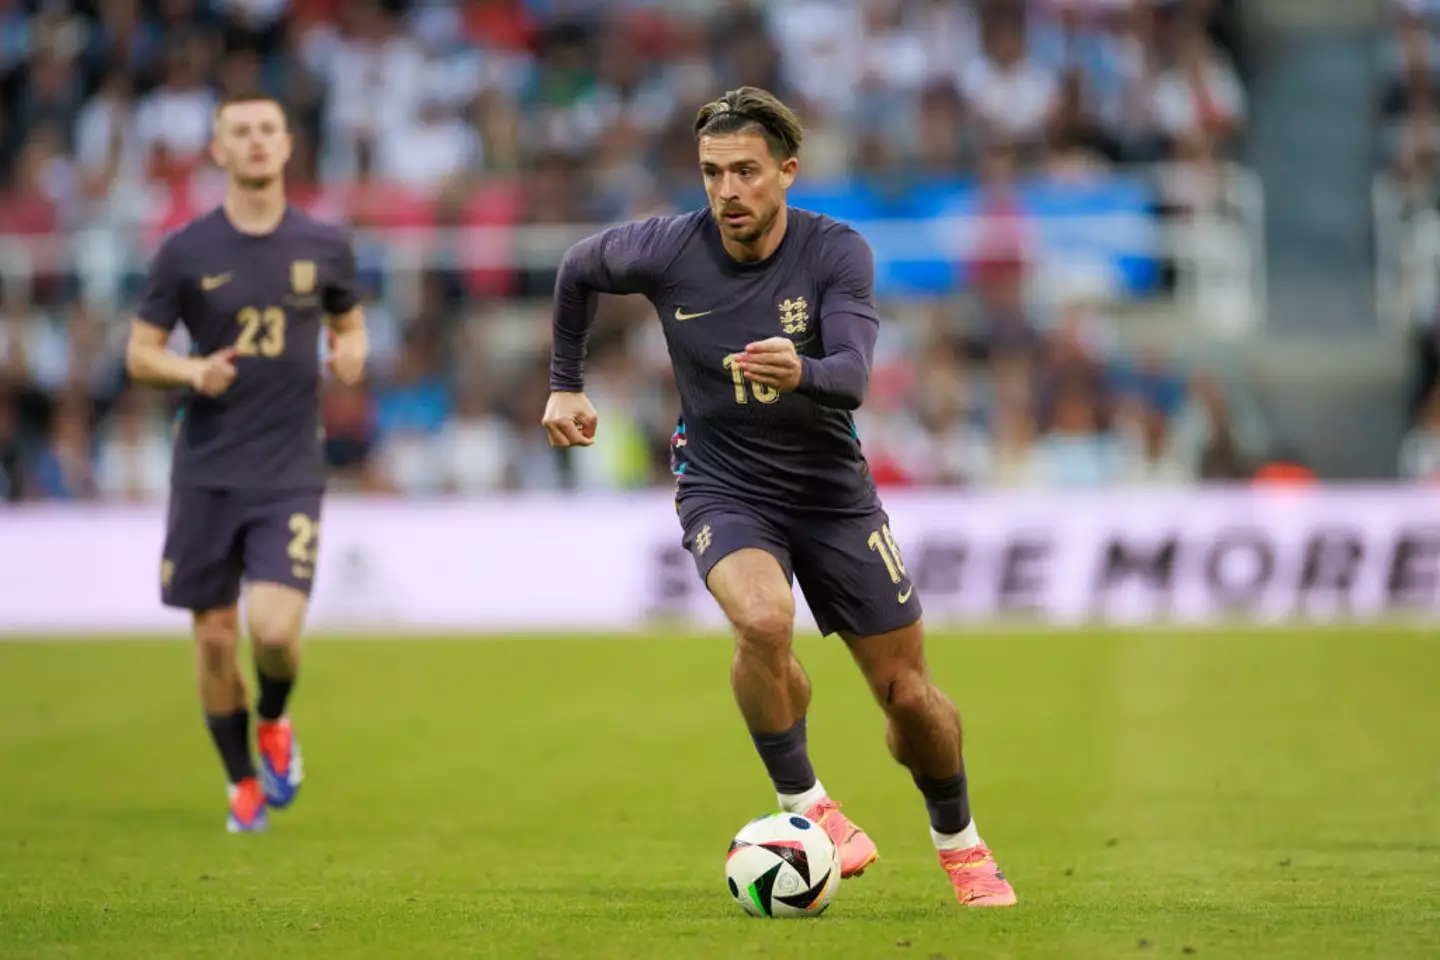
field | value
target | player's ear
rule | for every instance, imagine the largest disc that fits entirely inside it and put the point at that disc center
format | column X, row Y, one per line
column 217, row 155
column 788, row 170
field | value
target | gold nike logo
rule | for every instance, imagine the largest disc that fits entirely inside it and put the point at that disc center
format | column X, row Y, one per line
column 905, row 597
column 690, row 316
column 217, row 281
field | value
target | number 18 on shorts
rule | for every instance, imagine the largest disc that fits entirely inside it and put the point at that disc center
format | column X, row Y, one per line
column 850, row 569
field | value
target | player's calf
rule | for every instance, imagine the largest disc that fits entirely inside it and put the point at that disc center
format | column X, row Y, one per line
column 276, row 613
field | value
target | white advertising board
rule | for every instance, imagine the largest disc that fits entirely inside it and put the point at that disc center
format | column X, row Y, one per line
column 610, row 563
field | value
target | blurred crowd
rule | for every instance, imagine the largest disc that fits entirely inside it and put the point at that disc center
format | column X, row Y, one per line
column 505, row 113
column 1409, row 111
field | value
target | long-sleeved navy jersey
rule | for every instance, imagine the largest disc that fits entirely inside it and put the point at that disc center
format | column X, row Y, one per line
column 736, row 438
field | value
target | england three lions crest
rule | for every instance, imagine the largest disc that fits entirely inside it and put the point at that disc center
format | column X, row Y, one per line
column 302, row 276
column 794, row 315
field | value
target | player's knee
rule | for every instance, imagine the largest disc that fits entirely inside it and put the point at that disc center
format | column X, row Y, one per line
column 274, row 615
column 763, row 627
column 269, row 633
column 904, row 693
column 217, row 635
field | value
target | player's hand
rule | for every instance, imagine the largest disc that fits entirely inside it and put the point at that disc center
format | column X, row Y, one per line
column 215, row 373
column 772, row 363
column 570, row 420
column 347, row 357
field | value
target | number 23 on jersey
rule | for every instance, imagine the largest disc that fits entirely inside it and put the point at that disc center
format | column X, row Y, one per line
column 262, row 332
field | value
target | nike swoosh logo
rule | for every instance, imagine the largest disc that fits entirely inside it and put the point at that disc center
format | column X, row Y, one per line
column 690, row 316
column 905, row 597
column 211, row 283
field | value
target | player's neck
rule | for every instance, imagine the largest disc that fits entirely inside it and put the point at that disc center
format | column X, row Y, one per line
column 762, row 246
column 256, row 211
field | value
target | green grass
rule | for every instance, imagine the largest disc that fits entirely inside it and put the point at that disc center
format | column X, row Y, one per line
column 1225, row 793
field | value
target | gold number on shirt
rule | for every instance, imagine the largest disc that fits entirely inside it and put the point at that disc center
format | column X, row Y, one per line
column 262, row 332
column 304, row 545
column 883, row 543
column 762, row 393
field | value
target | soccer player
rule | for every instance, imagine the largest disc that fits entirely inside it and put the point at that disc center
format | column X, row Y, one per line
column 771, row 327
column 252, row 280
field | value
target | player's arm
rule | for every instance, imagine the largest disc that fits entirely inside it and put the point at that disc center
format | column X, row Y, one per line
column 849, row 325
column 349, row 340
column 148, row 357
column 623, row 259
column 349, row 345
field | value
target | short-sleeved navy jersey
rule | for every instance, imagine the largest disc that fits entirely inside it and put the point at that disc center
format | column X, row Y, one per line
column 268, row 296
column 737, row 438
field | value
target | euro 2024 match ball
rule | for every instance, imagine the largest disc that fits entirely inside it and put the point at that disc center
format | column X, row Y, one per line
column 782, row 866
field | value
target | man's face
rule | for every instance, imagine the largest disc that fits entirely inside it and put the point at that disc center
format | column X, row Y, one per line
column 745, row 183
column 251, row 142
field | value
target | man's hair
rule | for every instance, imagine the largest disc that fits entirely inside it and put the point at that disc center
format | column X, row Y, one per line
column 251, row 96
column 750, row 109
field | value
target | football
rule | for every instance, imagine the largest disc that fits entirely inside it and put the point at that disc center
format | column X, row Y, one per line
column 782, row 866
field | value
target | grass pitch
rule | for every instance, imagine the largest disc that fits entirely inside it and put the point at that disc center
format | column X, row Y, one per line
column 1216, row 794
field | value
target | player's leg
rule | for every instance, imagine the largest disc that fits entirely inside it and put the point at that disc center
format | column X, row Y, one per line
column 201, row 573
column 743, row 560
column 923, row 734
column 275, row 615
column 281, row 543
column 855, row 580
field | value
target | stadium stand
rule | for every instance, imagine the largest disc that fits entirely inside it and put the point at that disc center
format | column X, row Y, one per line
column 1031, row 176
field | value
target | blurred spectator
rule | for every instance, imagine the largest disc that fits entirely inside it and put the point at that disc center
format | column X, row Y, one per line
column 108, row 152
column 410, row 413
column 1149, row 459
column 434, row 148
column 958, row 451
column 133, row 455
column 65, row 467
column 122, row 43
column 10, row 478
column 1077, row 450
column 173, row 122
column 1199, row 91
column 374, row 78
column 1012, row 95
column 1210, row 440
column 1015, row 461
column 1420, row 452
column 475, row 445
column 896, row 445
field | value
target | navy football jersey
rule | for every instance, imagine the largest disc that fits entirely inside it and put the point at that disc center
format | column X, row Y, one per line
column 737, row 438
column 267, row 296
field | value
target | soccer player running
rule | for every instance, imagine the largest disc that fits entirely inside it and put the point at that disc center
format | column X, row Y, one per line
column 771, row 327
column 253, row 281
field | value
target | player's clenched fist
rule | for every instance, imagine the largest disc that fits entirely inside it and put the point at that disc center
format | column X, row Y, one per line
column 773, row 363
column 215, row 373
column 570, row 420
